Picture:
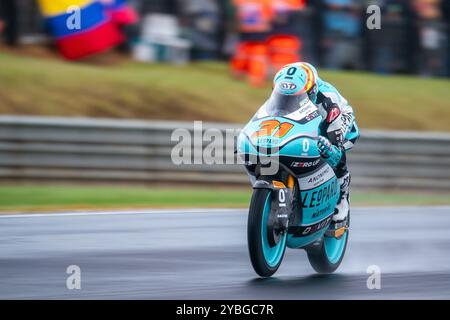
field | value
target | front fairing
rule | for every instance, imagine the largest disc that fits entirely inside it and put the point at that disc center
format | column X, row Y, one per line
column 283, row 137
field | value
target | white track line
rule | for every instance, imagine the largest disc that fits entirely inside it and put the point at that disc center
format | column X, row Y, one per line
column 114, row 213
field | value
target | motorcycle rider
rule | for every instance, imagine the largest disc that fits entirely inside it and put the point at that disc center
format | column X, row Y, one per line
column 338, row 131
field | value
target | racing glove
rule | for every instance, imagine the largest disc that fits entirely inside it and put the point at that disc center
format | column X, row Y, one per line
column 329, row 152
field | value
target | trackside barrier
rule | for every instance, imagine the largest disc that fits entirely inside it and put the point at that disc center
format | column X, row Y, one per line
column 103, row 150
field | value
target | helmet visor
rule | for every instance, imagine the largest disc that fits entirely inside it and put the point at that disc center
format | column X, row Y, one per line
column 281, row 104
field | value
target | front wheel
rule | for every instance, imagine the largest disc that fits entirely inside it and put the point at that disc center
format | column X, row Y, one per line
column 326, row 255
column 265, row 258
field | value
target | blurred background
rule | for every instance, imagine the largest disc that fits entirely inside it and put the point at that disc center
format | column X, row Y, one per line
column 150, row 66
column 413, row 38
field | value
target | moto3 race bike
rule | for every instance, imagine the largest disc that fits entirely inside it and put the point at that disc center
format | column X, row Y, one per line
column 295, row 191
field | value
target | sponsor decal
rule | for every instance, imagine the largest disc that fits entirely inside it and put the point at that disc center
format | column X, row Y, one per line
column 288, row 86
column 267, row 141
column 312, row 116
column 306, row 108
column 333, row 114
column 319, row 197
column 316, row 178
column 338, row 136
column 347, row 121
column 303, row 231
column 308, row 164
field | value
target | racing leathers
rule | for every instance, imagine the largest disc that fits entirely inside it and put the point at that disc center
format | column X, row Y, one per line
column 339, row 132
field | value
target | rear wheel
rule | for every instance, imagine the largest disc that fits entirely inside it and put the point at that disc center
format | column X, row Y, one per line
column 265, row 258
column 326, row 256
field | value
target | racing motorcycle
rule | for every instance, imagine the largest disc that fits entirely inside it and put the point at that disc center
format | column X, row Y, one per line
column 294, row 190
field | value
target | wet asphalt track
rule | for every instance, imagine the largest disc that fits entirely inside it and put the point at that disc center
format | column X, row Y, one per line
column 194, row 254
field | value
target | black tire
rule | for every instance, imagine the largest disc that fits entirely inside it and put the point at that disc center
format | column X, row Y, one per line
column 318, row 258
column 255, row 242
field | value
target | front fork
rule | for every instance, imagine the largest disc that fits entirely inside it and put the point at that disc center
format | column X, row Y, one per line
column 282, row 204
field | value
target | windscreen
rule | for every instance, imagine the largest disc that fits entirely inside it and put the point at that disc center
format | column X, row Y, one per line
column 280, row 105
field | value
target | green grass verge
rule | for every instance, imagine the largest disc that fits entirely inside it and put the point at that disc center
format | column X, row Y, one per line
column 70, row 197
column 203, row 91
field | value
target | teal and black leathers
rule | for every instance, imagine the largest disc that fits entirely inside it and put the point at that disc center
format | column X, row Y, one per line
column 339, row 126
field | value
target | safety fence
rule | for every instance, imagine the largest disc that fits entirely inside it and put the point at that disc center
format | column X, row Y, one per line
column 114, row 151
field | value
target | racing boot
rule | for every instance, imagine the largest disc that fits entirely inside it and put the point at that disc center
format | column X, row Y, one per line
column 340, row 221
